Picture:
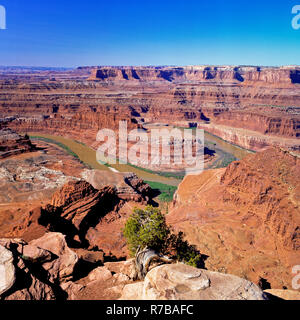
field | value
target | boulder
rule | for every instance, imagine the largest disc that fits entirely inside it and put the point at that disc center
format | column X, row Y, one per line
column 7, row 270
column 60, row 269
column 121, row 278
column 182, row 282
column 72, row 289
column 100, row 274
column 19, row 280
column 38, row 290
column 36, row 254
column 123, row 267
column 93, row 257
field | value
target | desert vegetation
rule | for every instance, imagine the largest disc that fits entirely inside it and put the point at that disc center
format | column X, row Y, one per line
column 147, row 228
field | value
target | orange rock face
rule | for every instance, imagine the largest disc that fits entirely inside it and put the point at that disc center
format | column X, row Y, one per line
column 262, row 101
column 285, row 75
column 245, row 218
column 27, row 181
column 13, row 144
column 81, row 205
column 44, row 190
column 90, row 218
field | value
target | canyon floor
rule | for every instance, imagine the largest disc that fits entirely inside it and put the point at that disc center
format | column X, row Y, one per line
column 62, row 212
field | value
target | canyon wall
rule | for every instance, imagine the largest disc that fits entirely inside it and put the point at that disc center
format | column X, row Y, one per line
column 13, row 144
column 245, row 218
column 283, row 75
column 262, row 100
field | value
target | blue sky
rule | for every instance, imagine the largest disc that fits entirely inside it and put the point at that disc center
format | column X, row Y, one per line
column 143, row 32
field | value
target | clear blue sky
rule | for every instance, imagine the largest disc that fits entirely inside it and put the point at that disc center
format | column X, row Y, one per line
column 149, row 32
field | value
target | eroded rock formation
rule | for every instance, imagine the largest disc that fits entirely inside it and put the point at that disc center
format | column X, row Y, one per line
column 284, row 75
column 45, row 269
column 128, row 186
column 259, row 101
column 7, row 270
column 12, row 143
column 245, row 218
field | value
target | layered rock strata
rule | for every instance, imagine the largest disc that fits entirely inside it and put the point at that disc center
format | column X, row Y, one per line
column 246, row 217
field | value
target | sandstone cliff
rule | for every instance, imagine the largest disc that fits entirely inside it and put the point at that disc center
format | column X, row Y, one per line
column 284, row 75
column 90, row 218
column 12, row 143
column 263, row 100
column 245, row 218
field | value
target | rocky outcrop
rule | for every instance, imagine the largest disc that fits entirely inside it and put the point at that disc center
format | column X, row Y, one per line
column 44, row 269
column 89, row 217
column 95, row 217
column 128, row 186
column 284, row 75
column 105, row 282
column 182, row 282
column 12, row 143
column 141, row 188
column 86, row 214
column 47, row 269
column 245, row 218
column 76, row 207
column 78, row 201
column 28, row 181
column 264, row 100
column 31, row 281
column 60, row 269
column 7, row 270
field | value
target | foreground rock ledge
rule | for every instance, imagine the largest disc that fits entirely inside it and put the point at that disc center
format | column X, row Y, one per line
column 7, row 270
column 182, row 282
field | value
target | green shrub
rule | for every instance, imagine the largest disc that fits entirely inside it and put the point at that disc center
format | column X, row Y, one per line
column 148, row 228
column 184, row 251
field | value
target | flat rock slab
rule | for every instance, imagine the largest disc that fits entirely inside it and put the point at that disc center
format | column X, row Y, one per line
column 182, row 282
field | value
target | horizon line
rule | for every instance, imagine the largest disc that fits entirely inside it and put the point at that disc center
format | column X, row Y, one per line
column 149, row 66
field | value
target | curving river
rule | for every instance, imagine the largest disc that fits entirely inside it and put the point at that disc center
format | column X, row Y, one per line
column 225, row 154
